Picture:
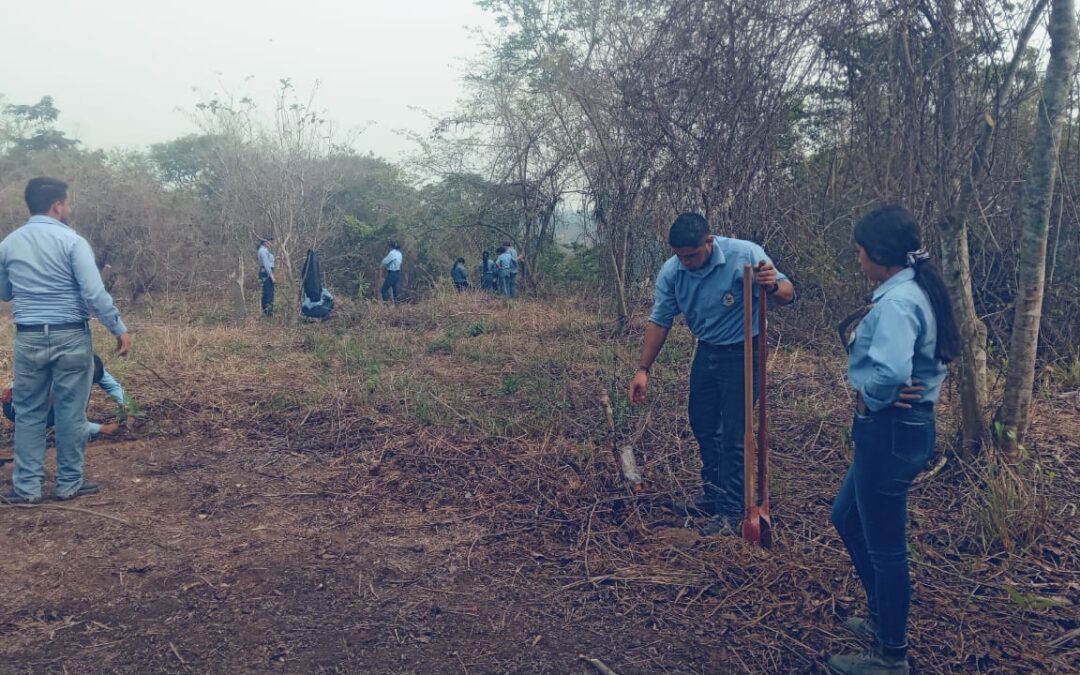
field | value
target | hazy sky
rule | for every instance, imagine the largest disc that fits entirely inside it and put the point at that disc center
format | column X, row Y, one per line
column 122, row 72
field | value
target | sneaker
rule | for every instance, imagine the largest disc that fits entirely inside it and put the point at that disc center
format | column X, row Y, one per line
column 16, row 498
column 874, row 661
column 721, row 524
column 865, row 629
column 87, row 488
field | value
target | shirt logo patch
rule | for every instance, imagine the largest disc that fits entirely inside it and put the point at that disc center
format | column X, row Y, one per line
column 729, row 299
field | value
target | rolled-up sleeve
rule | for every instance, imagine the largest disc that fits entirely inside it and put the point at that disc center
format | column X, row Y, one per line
column 665, row 306
column 891, row 353
column 93, row 291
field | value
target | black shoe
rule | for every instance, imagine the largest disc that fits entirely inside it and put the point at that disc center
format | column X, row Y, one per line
column 87, row 488
column 16, row 498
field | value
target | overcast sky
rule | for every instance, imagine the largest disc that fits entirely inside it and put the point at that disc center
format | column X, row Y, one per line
column 122, row 72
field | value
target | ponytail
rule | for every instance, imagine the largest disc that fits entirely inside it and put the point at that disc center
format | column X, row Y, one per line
column 890, row 236
column 948, row 335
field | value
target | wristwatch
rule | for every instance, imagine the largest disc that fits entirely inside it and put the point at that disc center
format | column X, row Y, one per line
column 645, row 368
column 774, row 288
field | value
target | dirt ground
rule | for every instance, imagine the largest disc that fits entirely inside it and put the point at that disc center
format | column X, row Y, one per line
column 339, row 530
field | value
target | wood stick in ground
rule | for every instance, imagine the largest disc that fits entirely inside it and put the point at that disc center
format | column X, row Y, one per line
column 624, row 457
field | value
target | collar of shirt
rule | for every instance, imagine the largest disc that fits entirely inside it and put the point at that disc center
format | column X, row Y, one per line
column 715, row 260
column 906, row 274
column 46, row 220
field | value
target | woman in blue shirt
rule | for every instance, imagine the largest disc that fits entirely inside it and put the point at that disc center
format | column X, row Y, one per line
column 896, row 364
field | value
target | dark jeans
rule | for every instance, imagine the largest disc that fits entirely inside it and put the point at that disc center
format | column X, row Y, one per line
column 267, row 296
column 392, row 282
column 870, row 511
column 716, row 417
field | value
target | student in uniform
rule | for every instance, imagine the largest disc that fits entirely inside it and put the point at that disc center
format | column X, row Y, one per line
column 460, row 275
column 703, row 281
column 896, row 364
column 506, row 265
column 266, row 275
column 487, row 273
column 392, row 273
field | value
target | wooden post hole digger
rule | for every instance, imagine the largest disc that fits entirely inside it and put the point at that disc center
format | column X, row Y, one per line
column 756, row 526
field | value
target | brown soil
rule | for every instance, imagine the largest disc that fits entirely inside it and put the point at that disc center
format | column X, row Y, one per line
column 238, row 532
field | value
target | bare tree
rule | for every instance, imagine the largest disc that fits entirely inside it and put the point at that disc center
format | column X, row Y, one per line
column 1014, row 414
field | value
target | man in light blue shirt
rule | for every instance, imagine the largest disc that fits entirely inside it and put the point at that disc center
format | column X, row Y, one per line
column 392, row 273
column 506, row 267
column 704, row 281
column 49, row 272
column 266, row 275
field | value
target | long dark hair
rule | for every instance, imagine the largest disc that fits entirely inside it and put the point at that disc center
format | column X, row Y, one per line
column 890, row 237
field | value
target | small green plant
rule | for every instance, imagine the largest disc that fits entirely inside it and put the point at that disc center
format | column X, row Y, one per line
column 129, row 410
column 441, row 345
column 1031, row 602
column 478, row 328
column 510, row 385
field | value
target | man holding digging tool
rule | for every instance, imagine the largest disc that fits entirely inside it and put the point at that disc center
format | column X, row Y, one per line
column 703, row 281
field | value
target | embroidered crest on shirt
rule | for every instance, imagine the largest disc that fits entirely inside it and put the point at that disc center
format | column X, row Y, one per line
column 729, row 299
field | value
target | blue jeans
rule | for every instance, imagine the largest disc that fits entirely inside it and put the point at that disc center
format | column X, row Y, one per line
column 507, row 282
column 392, row 282
column 716, row 417
column 870, row 512
column 60, row 362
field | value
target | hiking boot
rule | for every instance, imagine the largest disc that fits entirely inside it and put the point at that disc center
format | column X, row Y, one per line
column 875, row 661
column 87, row 488
column 721, row 524
column 13, row 497
column 865, row 629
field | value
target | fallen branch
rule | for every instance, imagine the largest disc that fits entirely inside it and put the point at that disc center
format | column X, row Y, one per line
column 75, row 509
column 598, row 664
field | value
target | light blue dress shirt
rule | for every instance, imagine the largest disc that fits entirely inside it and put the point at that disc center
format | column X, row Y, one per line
column 506, row 261
column 49, row 271
column 266, row 260
column 392, row 261
column 895, row 342
column 711, row 297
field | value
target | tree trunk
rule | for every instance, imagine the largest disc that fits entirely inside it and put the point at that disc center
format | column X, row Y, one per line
column 239, row 302
column 1014, row 413
column 955, row 261
column 972, row 364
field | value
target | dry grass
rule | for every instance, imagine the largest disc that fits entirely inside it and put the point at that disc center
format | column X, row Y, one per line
column 488, row 413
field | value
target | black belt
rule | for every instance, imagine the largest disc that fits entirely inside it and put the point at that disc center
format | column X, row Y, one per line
column 50, row 328
column 733, row 347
